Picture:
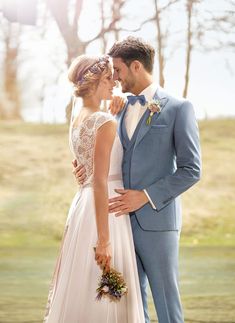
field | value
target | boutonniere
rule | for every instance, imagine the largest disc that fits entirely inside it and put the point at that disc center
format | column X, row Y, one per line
column 154, row 106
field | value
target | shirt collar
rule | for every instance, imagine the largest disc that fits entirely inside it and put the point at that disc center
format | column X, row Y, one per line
column 149, row 91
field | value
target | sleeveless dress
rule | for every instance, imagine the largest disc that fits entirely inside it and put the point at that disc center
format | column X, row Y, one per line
column 73, row 291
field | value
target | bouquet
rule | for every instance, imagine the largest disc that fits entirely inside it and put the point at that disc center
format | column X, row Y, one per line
column 112, row 286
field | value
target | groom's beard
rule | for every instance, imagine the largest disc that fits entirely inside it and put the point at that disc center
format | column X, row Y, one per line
column 127, row 85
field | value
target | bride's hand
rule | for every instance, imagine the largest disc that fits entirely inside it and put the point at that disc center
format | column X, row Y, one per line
column 103, row 255
column 117, row 104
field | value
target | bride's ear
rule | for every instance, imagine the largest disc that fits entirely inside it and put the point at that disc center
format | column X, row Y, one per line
column 92, row 90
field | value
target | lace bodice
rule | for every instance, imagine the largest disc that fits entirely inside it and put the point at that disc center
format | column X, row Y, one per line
column 83, row 143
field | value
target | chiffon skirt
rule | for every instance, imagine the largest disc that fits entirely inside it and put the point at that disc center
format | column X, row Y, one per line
column 73, row 291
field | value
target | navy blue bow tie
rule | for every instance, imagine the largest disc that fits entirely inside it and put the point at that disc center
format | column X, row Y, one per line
column 132, row 99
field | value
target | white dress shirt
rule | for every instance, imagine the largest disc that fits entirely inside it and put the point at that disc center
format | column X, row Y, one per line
column 135, row 112
column 133, row 115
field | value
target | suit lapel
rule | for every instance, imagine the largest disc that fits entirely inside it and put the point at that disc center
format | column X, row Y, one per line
column 121, row 124
column 144, row 128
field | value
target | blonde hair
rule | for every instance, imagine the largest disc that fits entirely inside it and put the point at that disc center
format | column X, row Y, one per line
column 85, row 73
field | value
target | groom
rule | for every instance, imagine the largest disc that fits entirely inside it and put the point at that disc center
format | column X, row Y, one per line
column 161, row 160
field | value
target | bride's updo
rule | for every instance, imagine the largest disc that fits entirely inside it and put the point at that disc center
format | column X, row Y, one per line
column 85, row 73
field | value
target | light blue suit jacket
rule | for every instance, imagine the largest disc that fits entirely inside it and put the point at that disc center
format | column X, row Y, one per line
column 164, row 159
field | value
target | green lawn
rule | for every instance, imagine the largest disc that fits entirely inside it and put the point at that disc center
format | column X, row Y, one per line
column 36, row 188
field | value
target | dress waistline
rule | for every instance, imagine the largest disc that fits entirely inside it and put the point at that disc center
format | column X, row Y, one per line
column 111, row 178
column 114, row 177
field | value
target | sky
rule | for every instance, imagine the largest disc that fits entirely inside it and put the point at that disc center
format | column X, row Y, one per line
column 212, row 81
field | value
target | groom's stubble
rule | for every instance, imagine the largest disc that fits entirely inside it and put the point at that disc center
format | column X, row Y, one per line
column 129, row 83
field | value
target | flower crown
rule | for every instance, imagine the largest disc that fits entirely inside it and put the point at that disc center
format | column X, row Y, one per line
column 96, row 68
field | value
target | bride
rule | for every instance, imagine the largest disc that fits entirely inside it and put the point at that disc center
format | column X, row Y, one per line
column 96, row 145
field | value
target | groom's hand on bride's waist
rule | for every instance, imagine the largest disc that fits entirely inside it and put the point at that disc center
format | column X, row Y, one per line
column 79, row 172
column 128, row 201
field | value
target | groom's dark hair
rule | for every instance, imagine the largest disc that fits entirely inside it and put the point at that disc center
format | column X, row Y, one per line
column 131, row 49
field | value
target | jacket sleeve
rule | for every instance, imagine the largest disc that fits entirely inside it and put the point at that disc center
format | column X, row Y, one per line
column 188, row 159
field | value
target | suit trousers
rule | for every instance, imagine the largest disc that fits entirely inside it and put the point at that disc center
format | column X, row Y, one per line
column 157, row 261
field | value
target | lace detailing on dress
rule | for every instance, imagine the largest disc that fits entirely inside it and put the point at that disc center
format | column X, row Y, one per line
column 102, row 118
column 83, row 140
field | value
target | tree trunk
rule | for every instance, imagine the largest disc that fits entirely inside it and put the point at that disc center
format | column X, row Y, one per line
column 68, row 30
column 189, row 7
column 103, row 37
column 10, row 106
column 116, row 11
column 60, row 10
column 161, row 59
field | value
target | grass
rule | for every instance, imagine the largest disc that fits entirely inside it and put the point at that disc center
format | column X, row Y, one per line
column 37, row 186
column 36, row 183
column 207, row 282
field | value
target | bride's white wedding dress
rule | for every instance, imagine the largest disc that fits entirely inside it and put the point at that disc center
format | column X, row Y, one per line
column 73, row 290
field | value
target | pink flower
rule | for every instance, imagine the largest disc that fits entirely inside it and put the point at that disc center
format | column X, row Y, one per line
column 154, row 107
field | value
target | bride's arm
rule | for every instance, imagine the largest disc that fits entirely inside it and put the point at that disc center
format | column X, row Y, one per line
column 103, row 145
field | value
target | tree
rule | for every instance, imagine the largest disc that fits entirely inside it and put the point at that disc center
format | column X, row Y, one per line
column 116, row 16
column 223, row 24
column 10, row 104
column 161, row 35
column 207, row 30
column 160, row 43
column 62, row 10
column 15, row 13
column 190, row 5
column 116, row 6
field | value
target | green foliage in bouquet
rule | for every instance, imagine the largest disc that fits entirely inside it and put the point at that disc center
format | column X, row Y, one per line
column 112, row 286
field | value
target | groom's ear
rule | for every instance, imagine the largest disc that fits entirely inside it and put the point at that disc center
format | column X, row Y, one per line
column 136, row 66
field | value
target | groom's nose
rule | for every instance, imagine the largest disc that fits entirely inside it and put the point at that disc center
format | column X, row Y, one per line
column 115, row 76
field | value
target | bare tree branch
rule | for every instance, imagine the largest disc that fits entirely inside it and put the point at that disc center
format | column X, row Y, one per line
column 169, row 4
